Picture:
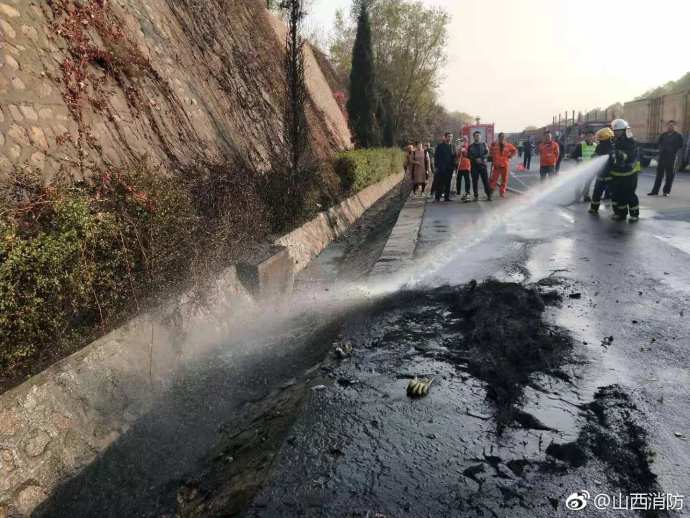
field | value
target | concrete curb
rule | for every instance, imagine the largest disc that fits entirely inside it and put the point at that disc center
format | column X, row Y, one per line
column 310, row 239
column 58, row 422
column 402, row 243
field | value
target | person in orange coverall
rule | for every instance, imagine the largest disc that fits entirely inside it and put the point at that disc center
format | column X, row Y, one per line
column 549, row 150
column 501, row 153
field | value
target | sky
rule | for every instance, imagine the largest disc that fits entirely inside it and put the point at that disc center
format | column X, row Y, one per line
column 519, row 62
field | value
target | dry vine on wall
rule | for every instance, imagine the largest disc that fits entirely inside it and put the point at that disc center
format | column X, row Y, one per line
column 98, row 52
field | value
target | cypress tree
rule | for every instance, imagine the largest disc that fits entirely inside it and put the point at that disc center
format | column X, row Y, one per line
column 362, row 103
column 296, row 128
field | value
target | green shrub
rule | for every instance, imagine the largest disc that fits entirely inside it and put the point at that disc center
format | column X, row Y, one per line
column 74, row 258
column 364, row 167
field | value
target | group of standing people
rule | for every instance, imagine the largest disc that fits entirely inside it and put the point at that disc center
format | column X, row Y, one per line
column 617, row 179
column 470, row 162
column 620, row 172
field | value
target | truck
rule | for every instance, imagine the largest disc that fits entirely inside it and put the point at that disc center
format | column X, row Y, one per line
column 648, row 118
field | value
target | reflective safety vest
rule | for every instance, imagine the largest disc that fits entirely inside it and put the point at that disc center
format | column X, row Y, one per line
column 587, row 150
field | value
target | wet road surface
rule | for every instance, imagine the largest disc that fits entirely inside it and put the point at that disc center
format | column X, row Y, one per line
column 362, row 448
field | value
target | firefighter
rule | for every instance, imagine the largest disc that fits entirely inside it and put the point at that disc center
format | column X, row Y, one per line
column 624, row 170
column 501, row 153
column 584, row 152
column 604, row 147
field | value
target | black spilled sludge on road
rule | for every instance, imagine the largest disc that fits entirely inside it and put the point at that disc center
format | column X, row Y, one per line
column 473, row 447
column 613, row 435
column 506, row 340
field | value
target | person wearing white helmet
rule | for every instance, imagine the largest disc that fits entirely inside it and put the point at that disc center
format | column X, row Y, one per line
column 625, row 167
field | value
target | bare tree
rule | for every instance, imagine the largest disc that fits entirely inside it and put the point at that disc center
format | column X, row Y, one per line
column 294, row 172
column 295, row 125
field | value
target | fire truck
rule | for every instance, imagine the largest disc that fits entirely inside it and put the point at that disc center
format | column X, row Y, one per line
column 486, row 131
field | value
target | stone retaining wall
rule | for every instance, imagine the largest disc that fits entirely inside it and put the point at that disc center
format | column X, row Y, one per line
column 59, row 421
column 167, row 82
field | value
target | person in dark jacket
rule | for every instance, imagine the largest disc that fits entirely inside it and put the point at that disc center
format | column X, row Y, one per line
column 444, row 161
column 527, row 161
column 478, row 153
column 670, row 143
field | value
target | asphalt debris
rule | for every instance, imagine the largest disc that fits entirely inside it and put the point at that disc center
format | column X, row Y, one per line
column 613, row 434
column 507, row 341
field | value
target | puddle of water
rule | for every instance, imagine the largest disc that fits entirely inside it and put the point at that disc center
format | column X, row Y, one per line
column 553, row 258
column 566, row 216
column 681, row 243
column 510, row 276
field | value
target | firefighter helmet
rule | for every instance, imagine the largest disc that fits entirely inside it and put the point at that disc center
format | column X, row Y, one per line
column 605, row 134
column 619, row 125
